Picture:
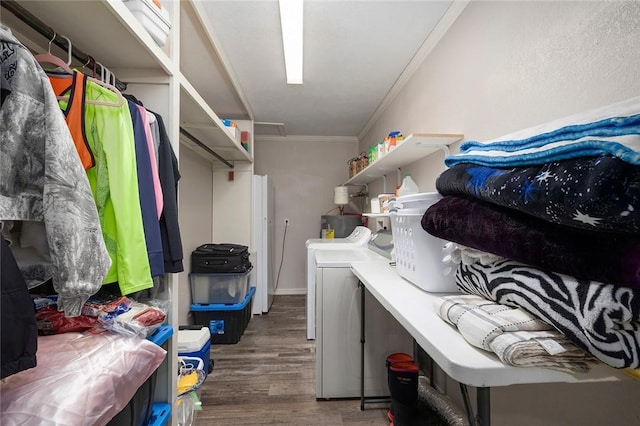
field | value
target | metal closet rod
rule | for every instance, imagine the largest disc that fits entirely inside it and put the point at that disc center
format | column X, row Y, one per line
column 206, row 148
column 46, row 31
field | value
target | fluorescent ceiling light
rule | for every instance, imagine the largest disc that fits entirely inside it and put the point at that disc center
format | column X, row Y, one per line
column 291, row 22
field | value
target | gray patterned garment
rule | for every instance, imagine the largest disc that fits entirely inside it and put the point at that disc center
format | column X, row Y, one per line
column 42, row 179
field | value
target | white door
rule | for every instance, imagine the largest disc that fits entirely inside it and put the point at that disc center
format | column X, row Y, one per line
column 264, row 243
column 269, row 199
column 259, row 274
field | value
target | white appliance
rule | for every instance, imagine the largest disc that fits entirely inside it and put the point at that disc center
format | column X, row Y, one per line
column 357, row 239
column 338, row 322
column 264, row 243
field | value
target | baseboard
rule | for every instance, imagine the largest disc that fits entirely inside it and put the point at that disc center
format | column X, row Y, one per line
column 291, row 291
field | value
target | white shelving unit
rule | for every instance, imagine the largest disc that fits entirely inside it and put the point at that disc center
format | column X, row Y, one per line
column 177, row 81
column 411, row 149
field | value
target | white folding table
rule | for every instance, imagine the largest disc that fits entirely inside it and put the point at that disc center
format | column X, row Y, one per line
column 413, row 308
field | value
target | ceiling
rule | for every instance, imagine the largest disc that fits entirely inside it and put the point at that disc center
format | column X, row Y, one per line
column 354, row 52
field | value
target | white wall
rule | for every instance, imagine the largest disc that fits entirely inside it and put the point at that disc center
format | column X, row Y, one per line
column 232, row 205
column 195, row 213
column 305, row 171
column 504, row 66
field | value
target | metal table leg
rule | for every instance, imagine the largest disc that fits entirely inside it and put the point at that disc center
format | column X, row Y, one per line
column 483, row 398
column 361, row 345
column 364, row 400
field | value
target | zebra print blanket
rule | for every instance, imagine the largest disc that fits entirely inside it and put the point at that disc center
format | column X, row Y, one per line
column 600, row 318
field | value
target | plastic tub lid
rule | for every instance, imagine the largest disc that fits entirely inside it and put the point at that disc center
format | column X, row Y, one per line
column 419, row 197
column 193, row 340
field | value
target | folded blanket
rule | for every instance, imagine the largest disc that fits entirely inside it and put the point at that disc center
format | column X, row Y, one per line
column 598, row 193
column 517, row 337
column 605, row 257
column 600, row 318
column 613, row 130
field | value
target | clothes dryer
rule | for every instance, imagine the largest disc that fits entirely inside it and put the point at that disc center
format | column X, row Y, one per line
column 358, row 239
column 339, row 306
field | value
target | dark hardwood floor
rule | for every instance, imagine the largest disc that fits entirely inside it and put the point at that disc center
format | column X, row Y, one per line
column 268, row 377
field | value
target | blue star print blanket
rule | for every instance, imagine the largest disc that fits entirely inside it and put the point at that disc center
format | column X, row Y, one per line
column 611, row 130
column 594, row 193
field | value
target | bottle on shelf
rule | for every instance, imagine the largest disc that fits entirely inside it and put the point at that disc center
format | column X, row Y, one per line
column 408, row 186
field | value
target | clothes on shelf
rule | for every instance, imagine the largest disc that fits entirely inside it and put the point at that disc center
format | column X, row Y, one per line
column 518, row 338
column 548, row 221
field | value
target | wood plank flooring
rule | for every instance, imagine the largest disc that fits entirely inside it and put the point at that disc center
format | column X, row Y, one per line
column 269, row 377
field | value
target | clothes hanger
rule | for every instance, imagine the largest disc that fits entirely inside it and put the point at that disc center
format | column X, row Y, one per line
column 104, row 81
column 90, row 60
column 54, row 60
column 49, row 58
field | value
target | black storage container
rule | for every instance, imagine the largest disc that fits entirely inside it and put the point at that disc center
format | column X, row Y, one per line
column 226, row 322
column 220, row 258
column 139, row 409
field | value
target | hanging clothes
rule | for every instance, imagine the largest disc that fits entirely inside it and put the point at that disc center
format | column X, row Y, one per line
column 73, row 109
column 153, row 157
column 169, row 177
column 42, row 180
column 147, row 192
column 109, row 122
column 114, row 183
column 18, row 330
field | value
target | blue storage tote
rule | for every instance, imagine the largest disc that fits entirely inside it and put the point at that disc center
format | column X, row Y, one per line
column 139, row 410
column 160, row 414
column 195, row 343
column 226, row 322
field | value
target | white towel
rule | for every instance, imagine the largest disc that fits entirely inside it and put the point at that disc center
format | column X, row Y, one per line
column 517, row 337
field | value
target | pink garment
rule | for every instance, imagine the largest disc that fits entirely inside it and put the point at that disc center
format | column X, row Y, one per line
column 154, row 162
column 81, row 379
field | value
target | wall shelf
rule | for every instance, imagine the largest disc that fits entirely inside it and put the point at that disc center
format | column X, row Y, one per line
column 411, row 149
column 197, row 117
column 376, row 215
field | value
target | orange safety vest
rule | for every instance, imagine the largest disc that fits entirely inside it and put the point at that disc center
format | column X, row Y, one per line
column 74, row 86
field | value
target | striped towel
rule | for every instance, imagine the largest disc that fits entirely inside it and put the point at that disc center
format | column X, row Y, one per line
column 517, row 337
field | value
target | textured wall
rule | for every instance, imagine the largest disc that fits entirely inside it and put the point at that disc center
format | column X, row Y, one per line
column 505, row 66
column 196, row 223
column 304, row 171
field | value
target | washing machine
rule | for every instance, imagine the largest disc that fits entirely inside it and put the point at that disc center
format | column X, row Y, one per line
column 358, row 239
column 338, row 321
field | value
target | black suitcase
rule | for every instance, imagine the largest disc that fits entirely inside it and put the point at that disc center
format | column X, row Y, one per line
column 220, row 258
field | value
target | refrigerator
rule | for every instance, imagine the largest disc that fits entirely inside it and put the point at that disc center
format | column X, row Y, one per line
column 263, row 205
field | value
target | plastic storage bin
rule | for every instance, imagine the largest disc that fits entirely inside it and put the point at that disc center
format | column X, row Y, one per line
column 153, row 17
column 139, row 410
column 195, row 343
column 421, row 258
column 226, row 323
column 160, row 414
column 219, row 288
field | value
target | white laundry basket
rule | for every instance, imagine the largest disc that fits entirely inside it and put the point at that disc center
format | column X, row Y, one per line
column 421, row 258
